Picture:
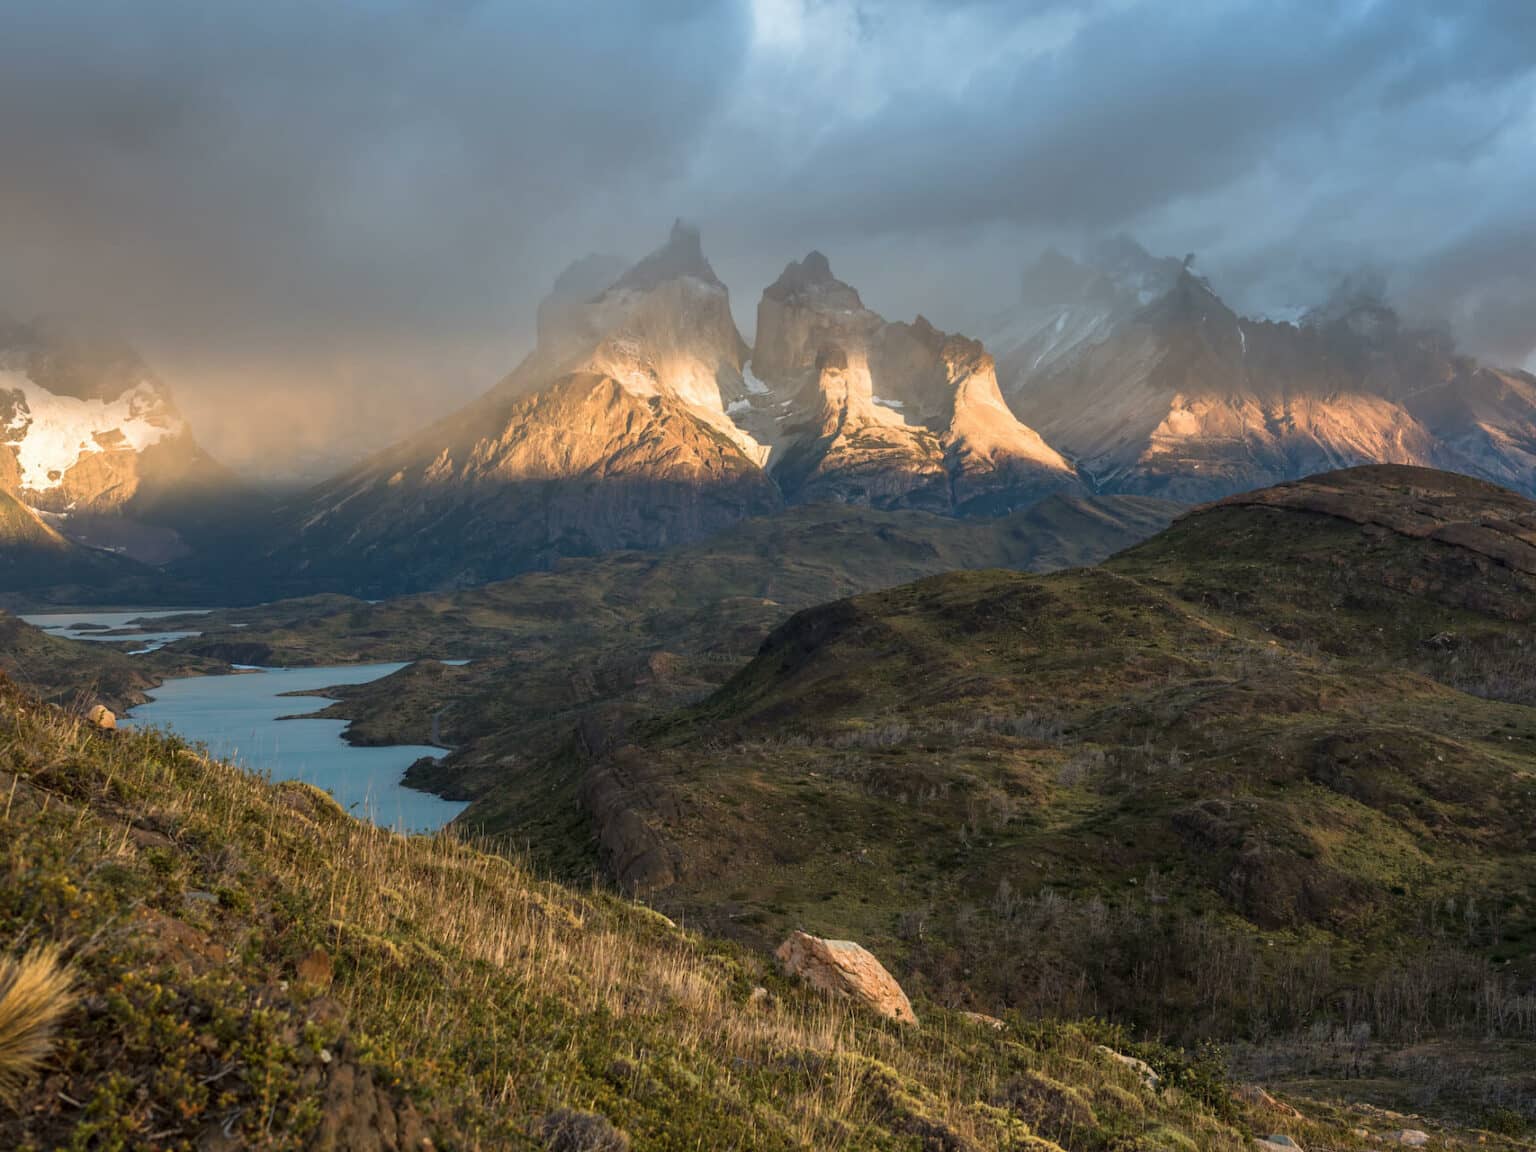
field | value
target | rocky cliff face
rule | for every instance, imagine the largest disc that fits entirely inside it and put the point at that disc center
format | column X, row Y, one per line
column 1182, row 398
column 613, row 433
column 640, row 421
column 91, row 439
column 858, row 410
column 846, row 447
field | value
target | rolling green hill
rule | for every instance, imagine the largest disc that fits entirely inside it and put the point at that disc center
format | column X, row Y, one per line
column 1271, row 771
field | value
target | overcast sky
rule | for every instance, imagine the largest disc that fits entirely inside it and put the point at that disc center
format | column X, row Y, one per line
column 350, row 209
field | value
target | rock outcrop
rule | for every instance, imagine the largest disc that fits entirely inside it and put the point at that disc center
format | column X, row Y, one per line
column 1144, row 1071
column 857, row 410
column 1256, row 1097
column 843, row 968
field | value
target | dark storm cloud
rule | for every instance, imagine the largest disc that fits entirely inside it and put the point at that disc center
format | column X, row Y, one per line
column 1151, row 103
column 284, row 169
column 361, row 202
column 1287, row 143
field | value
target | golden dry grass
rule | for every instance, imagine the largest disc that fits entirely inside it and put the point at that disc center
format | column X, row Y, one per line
column 35, row 994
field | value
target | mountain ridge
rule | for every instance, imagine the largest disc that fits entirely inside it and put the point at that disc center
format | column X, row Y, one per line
column 1122, row 373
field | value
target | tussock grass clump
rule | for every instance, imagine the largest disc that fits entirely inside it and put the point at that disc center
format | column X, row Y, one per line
column 35, row 993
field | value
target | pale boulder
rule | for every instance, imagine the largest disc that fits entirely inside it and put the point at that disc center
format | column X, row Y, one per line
column 102, row 717
column 982, row 1020
column 1142, row 1069
column 844, row 968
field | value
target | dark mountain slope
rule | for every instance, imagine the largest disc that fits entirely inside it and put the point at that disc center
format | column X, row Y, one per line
column 1233, row 781
column 582, row 467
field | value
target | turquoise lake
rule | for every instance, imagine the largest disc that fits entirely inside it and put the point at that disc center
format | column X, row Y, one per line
column 238, row 718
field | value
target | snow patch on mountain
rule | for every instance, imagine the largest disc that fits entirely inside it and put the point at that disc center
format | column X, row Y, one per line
column 755, row 387
column 50, row 433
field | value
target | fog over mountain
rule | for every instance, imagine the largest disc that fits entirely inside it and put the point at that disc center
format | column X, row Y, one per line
column 348, row 213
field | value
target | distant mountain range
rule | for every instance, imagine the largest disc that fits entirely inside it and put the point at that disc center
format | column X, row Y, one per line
column 642, row 419
column 1136, row 370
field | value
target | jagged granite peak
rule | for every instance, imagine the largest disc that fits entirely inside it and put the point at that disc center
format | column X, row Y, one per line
column 805, row 309
column 813, row 278
column 860, row 410
column 614, row 433
column 1187, row 400
column 681, row 255
column 1124, row 261
column 663, row 327
column 1068, row 305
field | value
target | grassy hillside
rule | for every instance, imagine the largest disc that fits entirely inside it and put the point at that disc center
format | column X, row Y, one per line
column 1270, row 774
column 256, row 969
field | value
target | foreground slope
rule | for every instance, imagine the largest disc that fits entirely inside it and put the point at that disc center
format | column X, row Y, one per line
column 257, row 969
column 1274, row 766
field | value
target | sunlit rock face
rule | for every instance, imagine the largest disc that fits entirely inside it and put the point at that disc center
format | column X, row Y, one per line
column 88, row 436
column 805, row 310
column 614, row 433
column 1180, row 397
column 661, row 328
column 845, row 448
column 995, row 462
column 858, row 410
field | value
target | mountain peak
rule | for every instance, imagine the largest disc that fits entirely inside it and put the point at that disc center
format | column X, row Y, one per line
column 1190, row 300
column 682, row 255
column 813, row 275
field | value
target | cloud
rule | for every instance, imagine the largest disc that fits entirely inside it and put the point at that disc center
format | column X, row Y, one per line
column 288, row 183
column 1287, row 143
column 367, row 198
